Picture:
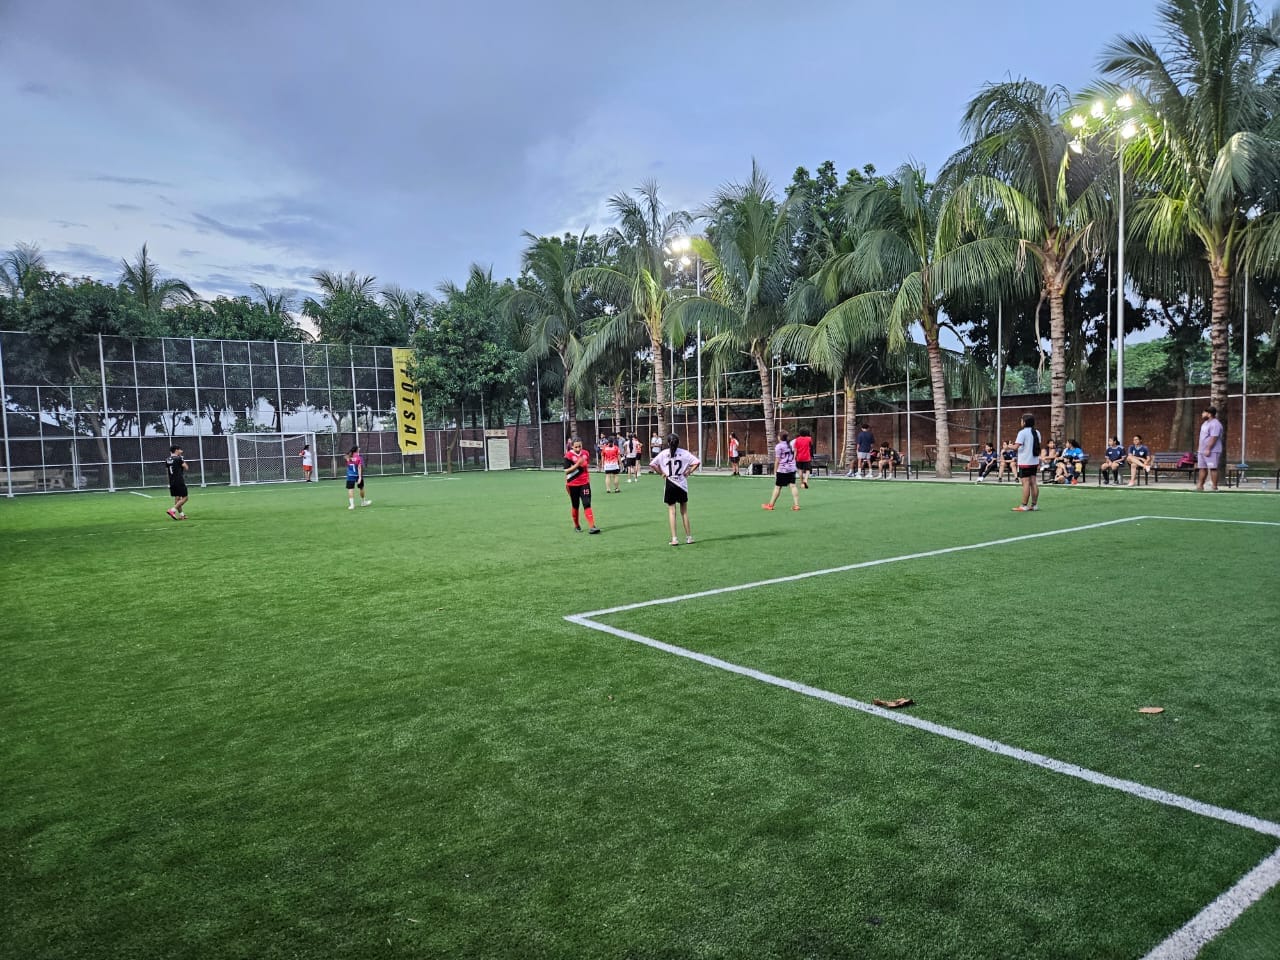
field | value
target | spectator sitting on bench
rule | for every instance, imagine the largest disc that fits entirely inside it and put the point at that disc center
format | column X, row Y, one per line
column 1067, row 467
column 1049, row 460
column 1139, row 458
column 885, row 461
column 1008, row 460
column 1112, row 461
column 988, row 460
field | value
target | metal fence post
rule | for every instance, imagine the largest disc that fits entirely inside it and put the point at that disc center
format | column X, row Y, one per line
column 106, row 431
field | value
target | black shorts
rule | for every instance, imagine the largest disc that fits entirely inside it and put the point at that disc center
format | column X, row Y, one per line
column 580, row 495
column 631, row 461
column 177, row 489
column 735, row 459
column 673, row 494
column 804, row 464
column 352, row 484
column 784, row 479
column 1030, row 471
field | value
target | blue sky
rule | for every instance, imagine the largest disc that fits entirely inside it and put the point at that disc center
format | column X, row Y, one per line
column 261, row 142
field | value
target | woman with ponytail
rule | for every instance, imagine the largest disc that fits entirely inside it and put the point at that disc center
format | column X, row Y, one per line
column 676, row 464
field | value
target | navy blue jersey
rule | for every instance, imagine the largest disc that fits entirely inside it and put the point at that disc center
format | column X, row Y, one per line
column 1115, row 454
column 1139, row 450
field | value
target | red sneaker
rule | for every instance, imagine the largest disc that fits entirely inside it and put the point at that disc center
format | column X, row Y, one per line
column 795, row 506
column 766, row 506
column 172, row 513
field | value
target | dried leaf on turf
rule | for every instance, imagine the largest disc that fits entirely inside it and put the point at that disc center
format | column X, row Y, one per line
column 894, row 704
column 1151, row 709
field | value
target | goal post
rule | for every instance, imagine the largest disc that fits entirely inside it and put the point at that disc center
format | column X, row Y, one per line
column 268, row 457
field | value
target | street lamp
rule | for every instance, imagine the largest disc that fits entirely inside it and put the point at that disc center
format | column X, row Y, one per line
column 1127, row 131
column 682, row 246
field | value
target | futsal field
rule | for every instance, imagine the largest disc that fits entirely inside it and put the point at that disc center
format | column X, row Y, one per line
column 448, row 726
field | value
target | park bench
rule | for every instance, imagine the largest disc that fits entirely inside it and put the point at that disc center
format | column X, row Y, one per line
column 821, row 462
column 1170, row 461
column 34, row 479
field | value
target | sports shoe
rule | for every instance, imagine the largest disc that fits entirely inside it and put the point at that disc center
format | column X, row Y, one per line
column 172, row 513
column 675, row 542
column 766, row 506
column 1021, row 509
column 366, row 503
column 688, row 539
column 795, row 506
column 805, row 484
column 576, row 528
column 1034, row 507
column 182, row 516
column 351, row 506
column 594, row 530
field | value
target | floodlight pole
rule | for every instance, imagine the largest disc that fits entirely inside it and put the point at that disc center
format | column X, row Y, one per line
column 999, row 374
column 697, row 267
column 1120, row 312
column 1244, row 372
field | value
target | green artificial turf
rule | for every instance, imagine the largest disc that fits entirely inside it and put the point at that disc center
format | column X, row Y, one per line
column 286, row 729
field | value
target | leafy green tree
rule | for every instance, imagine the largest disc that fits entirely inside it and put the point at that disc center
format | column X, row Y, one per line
column 279, row 306
column 231, row 318
column 547, row 306
column 749, row 272
column 462, row 353
column 1018, row 163
column 348, row 312
column 1209, row 97
column 22, row 270
column 153, row 293
column 910, row 254
column 638, row 285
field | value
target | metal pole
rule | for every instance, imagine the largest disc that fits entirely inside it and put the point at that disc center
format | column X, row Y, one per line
column 4, row 420
column 1120, row 314
column 909, row 412
column 1244, row 371
column 1107, row 405
column 999, row 375
column 106, row 431
column 355, row 416
column 697, row 281
column 195, row 385
column 835, row 420
column 537, row 380
column 484, row 439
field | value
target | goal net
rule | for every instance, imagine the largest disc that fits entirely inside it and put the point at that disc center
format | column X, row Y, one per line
column 268, row 457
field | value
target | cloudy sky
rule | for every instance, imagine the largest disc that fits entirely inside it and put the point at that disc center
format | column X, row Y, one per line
column 263, row 141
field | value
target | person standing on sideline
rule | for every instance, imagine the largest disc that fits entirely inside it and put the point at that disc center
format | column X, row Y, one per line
column 655, row 444
column 577, row 482
column 611, row 459
column 1028, row 464
column 176, row 467
column 784, row 456
column 676, row 464
column 735, row 454
column 1209, row 451
column 866, row 441
column 804, row 455
column 631, row 450
column 306, row 462
column 355, row 479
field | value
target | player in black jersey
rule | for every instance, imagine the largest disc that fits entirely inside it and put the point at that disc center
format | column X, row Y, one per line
column 177, row 469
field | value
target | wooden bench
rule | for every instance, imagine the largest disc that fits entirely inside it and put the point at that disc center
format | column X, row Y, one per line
column 1170, row 461
column 821, row 462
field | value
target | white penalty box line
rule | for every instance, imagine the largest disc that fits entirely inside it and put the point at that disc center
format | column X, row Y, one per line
column 1185, row 943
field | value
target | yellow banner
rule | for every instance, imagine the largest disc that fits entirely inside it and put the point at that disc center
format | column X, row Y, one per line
column 408, row 403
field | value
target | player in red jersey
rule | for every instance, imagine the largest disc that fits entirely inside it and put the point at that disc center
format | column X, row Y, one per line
column 577, row 481
column 611, row 460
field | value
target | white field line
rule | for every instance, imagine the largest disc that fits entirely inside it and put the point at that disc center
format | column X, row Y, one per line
column 1187, row 942
column 137, row 494
column 1184, row 944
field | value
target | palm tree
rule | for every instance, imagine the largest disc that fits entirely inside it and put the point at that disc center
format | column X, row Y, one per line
column 1020, row 164
column 339, row 313
column 638, row 285
column 21, row 270
column 407, row 308
column 278, row 305
column 909, row 255
column 749, row 271
column 142, row 281
column 545, row 306
column 1211, row 94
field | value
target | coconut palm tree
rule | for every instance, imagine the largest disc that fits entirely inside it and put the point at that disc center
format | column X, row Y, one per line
column 545, row 307
column 1209, row 97
column 638, row 286
column 142, row 281
column 1021, row 165
column 749, row 272
column 909, row 255
column 21, row 270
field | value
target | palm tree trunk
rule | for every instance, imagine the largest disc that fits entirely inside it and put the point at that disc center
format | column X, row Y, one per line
column 1218, row 335
column 941, row 429
column 766, row 402
column 659, row 384
column 567, row 398
column 1057, row 361
column 850, row 422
